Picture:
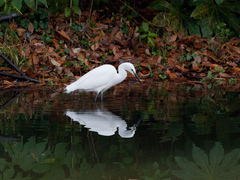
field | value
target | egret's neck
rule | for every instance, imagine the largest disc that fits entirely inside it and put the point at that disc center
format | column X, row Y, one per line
column 122, row 74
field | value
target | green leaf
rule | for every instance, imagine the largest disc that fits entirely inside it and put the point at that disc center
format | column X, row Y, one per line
column 151, row 41
column 151, row 34
column 2, row 2
column 216, row 156
column 127, row 160
column 188, row 57
column 200, row 158
column 143, row 36
column 30, row 4
column 75, row 2
column 199, row 12
column 17, row 4
column 189, row 167
column 8, row 173
column 230, row 160
column 205, row 28
column 145, row 26
column 219, row 2
column 193, row 28
column 161, row 5
column 35, row 24
column 44, row 2
column 42, row 168
column 155, row 164
column 67, row 12
column 76, row 10
column 161, row 19
column 43, row 25
column 3, row 163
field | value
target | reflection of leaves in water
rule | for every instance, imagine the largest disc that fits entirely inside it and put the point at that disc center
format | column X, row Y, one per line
column 215, row 166
column 153, row 172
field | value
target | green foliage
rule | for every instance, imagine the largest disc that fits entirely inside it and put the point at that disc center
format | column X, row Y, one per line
column 153, row 172
column 146, row 33
column 47, row 38
column 217, row 11
column 174, row 15
column 216, row 165
column 75, row 8
column 162, row 75
column 10, row 6
column 150, row 69
column 232, row 80
column 206, row 18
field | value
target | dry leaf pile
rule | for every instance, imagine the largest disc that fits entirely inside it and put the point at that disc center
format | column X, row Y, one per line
column 180, row 58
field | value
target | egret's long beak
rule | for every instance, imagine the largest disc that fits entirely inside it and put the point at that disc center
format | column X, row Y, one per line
column 137, row 77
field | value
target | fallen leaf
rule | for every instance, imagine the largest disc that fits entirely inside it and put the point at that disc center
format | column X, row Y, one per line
column 225, row 75
column 236, row 70
column 95, row 46
column 30, row 28
column 56, row 43
column 173, row 38
column 7, row 82
column 147, row 52
column 64, row 34
column 20, row 31
column 35, row 59
column 232, row 64
column 234, row 48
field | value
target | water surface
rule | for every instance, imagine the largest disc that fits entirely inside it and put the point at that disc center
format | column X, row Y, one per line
column 164, row 131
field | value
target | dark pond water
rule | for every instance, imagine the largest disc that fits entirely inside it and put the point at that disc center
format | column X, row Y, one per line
column 164, row 131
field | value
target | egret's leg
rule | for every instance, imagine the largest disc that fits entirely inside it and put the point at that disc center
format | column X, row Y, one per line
column 102, row 96
column 95, row 100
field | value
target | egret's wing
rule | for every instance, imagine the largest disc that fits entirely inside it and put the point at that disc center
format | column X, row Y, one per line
column 94, row 79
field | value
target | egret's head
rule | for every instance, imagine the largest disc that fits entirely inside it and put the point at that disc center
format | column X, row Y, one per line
column 130, row 68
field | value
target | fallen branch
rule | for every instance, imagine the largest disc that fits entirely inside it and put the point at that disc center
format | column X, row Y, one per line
column 22, row 77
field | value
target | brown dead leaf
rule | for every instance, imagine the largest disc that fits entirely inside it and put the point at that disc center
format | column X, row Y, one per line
column 5, row 69
column 225, row 75
column 147, row 52
column 232, row 64
column 173, row 38
column 208, row 64
column 172, row 76
column 95, row 46
column 54, row 62
column 20, row 31
column 30, row 28
column 115, row 49
column 13, row 25
column 235, row 49
column 35, row 59
column 56, row 43
column 64, row 34
column 7, row 82
column 195, row 66
column 136, row 34
column 196, row 62
column 182, row 68
column 236, row 70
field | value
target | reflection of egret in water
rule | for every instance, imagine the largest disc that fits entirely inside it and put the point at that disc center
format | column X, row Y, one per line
column 103, row 122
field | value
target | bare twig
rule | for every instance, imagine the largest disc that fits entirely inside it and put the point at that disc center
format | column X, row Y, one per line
column 134, row 11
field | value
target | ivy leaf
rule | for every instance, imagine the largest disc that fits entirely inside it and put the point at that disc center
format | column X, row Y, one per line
column 145, row 26
column 67, row 12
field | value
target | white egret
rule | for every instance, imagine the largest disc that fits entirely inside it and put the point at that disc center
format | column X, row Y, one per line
column 103, row 122
column 102, row 78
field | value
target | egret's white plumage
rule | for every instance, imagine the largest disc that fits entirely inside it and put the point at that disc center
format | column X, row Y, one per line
column 102, row 78
column 103, row 122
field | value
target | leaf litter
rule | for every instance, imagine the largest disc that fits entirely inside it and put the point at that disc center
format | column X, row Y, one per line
column 71, row 54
